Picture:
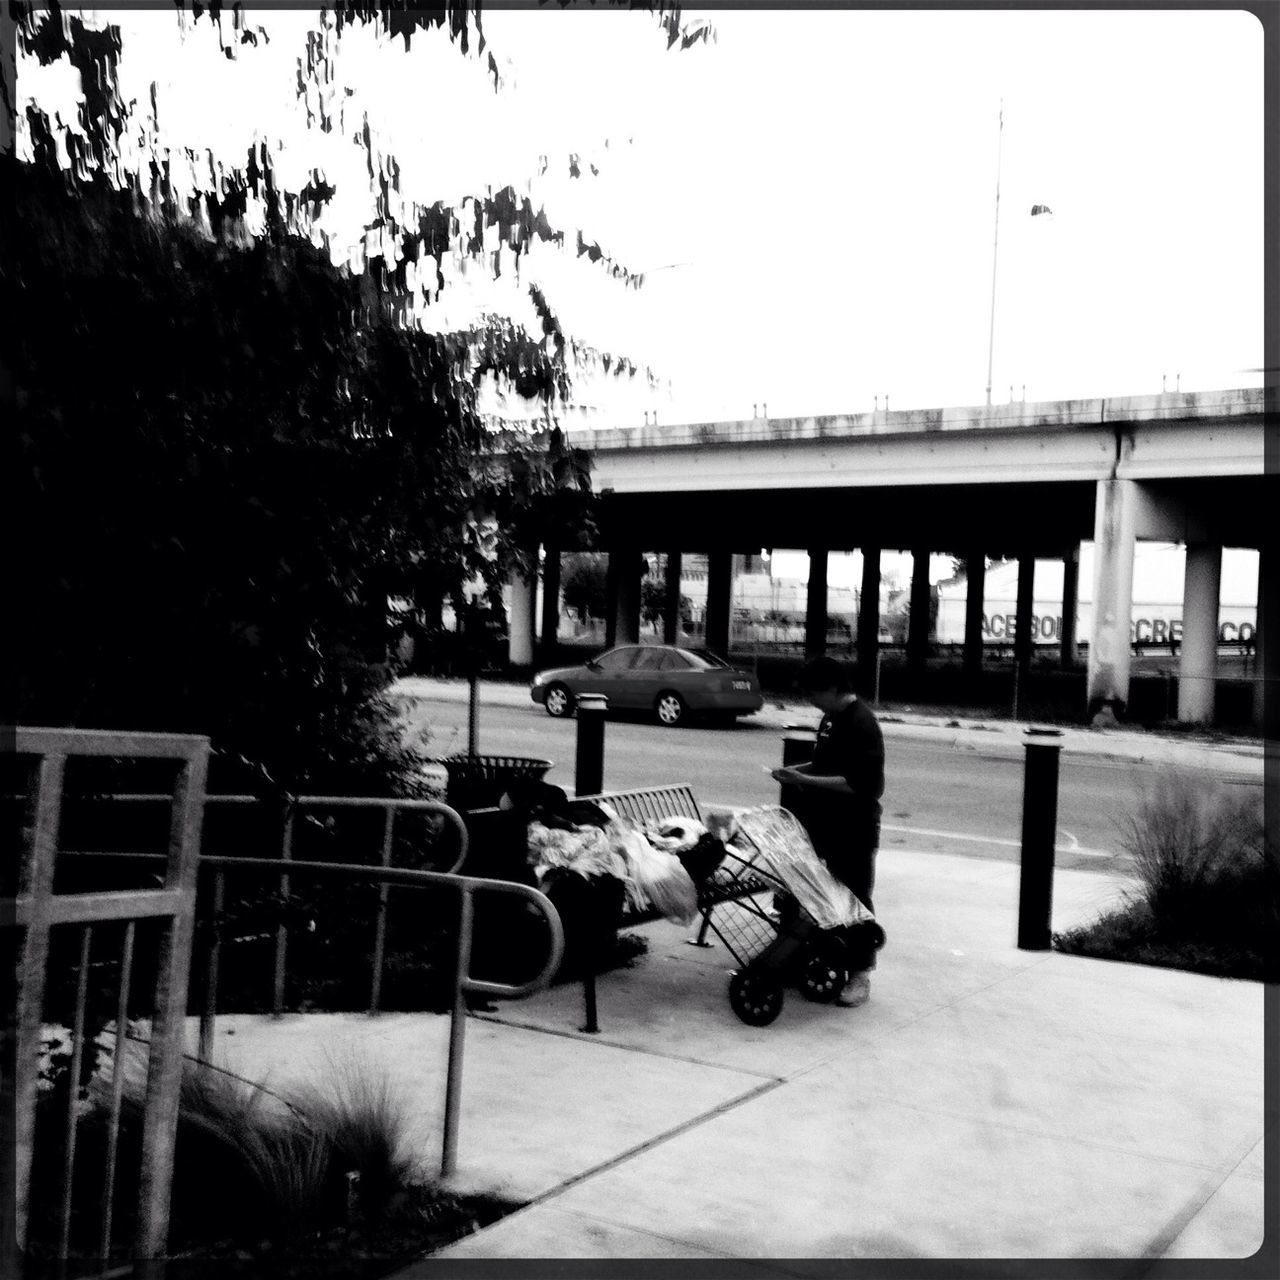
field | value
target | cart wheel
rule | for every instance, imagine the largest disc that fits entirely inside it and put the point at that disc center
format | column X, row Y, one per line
column 756, row 999
column 826, row 971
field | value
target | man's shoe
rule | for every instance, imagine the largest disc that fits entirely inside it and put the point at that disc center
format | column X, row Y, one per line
column 855, row 992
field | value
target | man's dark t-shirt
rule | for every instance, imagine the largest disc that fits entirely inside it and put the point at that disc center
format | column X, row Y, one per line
column 847, row 827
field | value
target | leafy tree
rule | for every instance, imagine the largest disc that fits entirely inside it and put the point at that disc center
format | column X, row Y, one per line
column 584, row 582
column 232, row 454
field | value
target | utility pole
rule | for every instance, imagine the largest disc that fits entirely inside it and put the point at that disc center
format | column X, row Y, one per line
column 995, row 246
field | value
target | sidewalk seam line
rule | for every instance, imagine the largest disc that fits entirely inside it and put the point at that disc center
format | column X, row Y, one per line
column 584, row 1038
column 649, row 1144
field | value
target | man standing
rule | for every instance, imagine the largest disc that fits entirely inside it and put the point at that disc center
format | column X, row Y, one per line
column 840, row 790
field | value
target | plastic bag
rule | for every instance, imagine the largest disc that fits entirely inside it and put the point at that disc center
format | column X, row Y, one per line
column 585, row 850
column 654, row 875
column 776, row 842
column 675, row 834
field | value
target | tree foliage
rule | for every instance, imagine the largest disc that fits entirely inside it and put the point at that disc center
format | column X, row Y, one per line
column 584, row 583
column 231, row 453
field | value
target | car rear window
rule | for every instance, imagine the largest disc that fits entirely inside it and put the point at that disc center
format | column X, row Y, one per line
column 703, row 658
column 617, row 659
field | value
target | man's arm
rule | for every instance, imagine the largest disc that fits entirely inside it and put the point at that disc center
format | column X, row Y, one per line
column 799, row 775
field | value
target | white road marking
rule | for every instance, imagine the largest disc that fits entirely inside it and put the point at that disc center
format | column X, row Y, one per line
column 1073, row 846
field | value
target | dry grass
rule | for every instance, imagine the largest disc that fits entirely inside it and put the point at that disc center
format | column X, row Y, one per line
column 1208, row 873
column 366, row 1121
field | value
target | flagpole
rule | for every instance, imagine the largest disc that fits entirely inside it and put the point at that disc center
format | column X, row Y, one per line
column 995, row 247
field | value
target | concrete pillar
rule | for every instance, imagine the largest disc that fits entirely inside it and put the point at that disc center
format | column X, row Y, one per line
column 1115, row 512
column 719, row 601
column 975, row 576
column 520, row 622
column 869, row 623
column 918, row 617
column 1022, row 639
column 671, row 613
column 815, row 609
column 625, row 574
column 1070, row 603
column 1266, row 641
column 548, row 632
column 1198, row 667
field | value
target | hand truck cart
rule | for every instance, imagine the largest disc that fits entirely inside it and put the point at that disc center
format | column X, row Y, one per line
column 810, row 934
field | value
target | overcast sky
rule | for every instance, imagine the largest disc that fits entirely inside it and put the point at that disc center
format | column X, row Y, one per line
column 825, row 183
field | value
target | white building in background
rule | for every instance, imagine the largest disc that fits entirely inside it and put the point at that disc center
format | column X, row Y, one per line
column 1158, row 570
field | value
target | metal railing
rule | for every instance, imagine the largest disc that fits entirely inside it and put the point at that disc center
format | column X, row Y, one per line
column 464, row 983
column 36, row 908
column 293, row 808
column 35, row 911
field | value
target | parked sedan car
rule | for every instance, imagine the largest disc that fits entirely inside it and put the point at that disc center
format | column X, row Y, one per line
column 672, row 683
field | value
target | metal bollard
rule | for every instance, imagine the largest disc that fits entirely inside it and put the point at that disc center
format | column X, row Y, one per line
column 1039, row 828
column 799, row 741
column 473, row 714
column 588, row 771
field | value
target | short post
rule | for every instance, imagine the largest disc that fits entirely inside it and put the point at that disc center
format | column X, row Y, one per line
column 588, row 776
column 1039, row 829
column 799, row 742
column 473, row 714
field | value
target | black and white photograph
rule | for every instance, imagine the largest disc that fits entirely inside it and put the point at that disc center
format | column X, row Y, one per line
column 640, row 640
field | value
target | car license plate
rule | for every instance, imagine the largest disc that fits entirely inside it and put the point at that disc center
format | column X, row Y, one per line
column 742, row 684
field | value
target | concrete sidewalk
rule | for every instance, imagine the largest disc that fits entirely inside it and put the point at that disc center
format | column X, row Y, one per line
column 986, row 1103
column 1219, row 753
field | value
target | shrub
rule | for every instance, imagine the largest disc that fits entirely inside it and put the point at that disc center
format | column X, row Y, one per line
column 1201, row 855
column 365, row 1122
column 1208, row 884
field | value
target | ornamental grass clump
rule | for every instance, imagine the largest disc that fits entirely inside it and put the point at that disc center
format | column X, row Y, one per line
column 1200, row 853
column 365, row 1121
column 1207, row 874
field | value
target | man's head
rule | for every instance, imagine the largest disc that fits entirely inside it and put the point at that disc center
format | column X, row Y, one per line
column 825, row 682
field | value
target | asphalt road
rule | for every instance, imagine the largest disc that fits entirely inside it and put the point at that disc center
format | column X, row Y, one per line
column 937, row 797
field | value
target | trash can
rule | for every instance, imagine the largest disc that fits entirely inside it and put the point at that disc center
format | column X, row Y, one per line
column 799, row 741
column 479, row 782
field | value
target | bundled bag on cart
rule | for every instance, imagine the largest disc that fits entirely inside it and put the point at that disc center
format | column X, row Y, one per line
column 700, row 852
column 772, row 839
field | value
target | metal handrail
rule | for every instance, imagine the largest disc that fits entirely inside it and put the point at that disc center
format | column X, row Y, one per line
column 390, row 804
column 463, row 983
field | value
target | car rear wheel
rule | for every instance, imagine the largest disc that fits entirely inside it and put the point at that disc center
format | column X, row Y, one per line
column 559, row 701
column 669, row 708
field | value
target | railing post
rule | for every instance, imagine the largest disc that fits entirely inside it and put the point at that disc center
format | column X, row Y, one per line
column 282, row 930
column 588, row 776
column 1039, row 829
column 380, row 929
column 213, row 952
column 457, row 1033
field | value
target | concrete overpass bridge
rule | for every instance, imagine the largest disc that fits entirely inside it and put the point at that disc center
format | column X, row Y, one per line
column 1020, row 480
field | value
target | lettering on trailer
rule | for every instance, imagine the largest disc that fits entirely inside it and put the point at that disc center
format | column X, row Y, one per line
column 1047, row 628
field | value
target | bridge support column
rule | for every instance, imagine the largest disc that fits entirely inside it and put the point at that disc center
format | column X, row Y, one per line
column 918, row 615
column 1070, row 603
column 622, row 625
column 1198, row 667
column 1114, row 536
column 549, row 630
column 975, row 577
column 520, row 621
column 719, row 601
column 869, row 623
column 1022, row 638
column 815, row 611
column 671, row 609
column 1266, row 644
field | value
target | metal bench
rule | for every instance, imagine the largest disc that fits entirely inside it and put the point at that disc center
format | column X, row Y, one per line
column 644, row 804
column 652, row 804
